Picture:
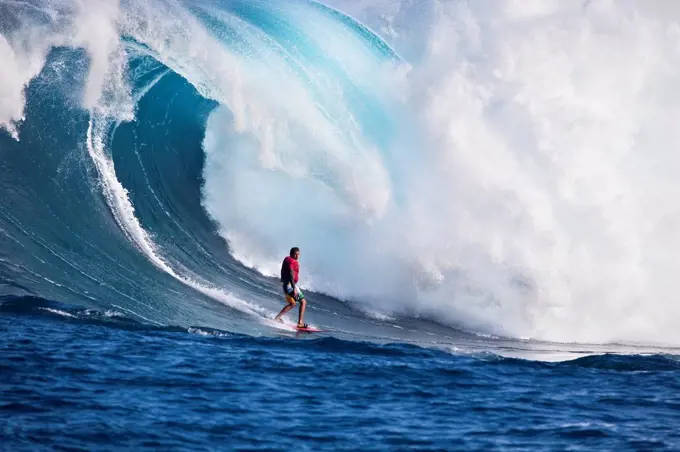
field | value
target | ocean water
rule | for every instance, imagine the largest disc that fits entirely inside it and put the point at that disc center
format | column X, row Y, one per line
column 73, row 381
column 483, row 193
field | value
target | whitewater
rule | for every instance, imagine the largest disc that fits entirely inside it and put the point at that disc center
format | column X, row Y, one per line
column 503, row 168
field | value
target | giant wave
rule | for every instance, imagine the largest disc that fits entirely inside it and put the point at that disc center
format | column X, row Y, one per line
column 500, row 168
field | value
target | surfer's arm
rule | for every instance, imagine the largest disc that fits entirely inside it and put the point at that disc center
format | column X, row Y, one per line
column 292, row 278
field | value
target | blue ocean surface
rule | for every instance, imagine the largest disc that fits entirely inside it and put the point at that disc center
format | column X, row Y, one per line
column 484, row 195
column 77, row 381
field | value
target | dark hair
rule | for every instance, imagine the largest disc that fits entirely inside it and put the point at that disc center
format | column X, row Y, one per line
column 294, row 250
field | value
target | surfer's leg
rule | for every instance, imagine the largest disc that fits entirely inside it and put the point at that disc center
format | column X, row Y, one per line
column 291, row 303
column 301, row 314
column 285, row 309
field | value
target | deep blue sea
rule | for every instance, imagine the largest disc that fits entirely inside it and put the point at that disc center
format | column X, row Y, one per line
column 483, row 193
column 87, row 381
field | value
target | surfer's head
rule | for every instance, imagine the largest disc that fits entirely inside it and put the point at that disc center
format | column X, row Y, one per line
column 295, row 252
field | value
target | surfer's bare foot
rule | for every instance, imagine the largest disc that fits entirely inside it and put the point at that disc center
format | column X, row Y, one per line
column 278, row 320
column 304, row 325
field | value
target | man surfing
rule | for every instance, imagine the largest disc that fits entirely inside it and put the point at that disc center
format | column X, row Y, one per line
column 290, row 272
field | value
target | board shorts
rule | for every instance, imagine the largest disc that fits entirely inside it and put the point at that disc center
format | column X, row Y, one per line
column 288, row 292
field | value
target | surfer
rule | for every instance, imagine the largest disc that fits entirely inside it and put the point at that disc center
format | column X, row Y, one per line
column 290, row 272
